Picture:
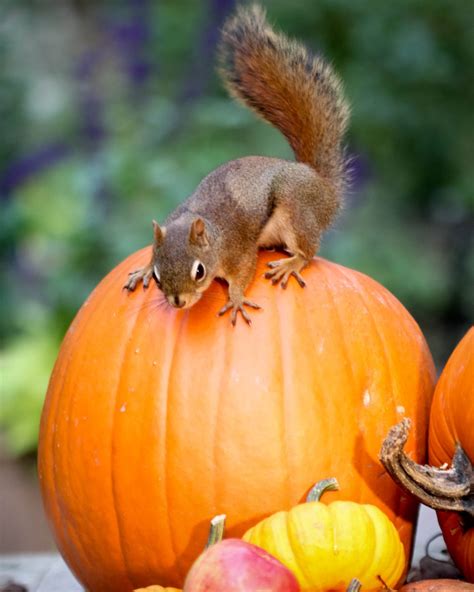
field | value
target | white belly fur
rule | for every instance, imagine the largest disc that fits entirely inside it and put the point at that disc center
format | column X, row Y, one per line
column 277, row 231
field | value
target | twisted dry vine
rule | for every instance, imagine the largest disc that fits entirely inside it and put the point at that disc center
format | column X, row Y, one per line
column 442, row 489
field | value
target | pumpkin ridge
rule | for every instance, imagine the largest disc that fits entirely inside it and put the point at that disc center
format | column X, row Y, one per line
column 168, row 400
column 85, row 311
column 291, row 545
column 367, row 566
column 110, row 285
column 388, row 364
column 169, row 336
column 383, row 531
column 395, row 565
column 283, row 365
column 115, row 506
column 443, row 425
column 331, row 541
column 78, row 335
column 342, row 337
column 450, row 410
column 60, row 534
column 399, row 566
column 65, row 376
column 338, row 318
column 333, row 531
column 306, row 323
column 388, row 358
column 55, row 415
column 223, row 360
column 445, row 433
column 396, row 544
column 317, row 378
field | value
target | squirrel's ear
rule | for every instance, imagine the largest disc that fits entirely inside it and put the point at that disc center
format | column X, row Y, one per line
column 158, row 233
column 198, row 234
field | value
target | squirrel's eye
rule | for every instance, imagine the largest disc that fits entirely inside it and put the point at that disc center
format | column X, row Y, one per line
column 198, row 271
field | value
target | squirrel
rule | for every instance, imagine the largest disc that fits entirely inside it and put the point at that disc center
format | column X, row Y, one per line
column 258, row 201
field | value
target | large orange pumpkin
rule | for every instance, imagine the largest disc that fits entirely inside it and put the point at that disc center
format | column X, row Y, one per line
column 452, row 420
column 157, row 419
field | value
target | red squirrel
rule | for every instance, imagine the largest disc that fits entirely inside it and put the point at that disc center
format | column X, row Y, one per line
column 258, row 201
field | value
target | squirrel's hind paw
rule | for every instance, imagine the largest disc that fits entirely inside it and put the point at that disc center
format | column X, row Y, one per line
column 283, row 269
column 144, row 274
column 238, row 307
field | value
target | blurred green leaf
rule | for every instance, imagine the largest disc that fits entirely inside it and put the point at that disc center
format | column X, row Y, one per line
column 25, row 368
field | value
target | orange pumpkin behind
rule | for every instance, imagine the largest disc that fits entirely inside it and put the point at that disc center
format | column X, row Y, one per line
column 452, row 420
column 157, row 419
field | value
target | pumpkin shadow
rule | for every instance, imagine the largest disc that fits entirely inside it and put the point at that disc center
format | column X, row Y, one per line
column 380, row 483
column 378, row 480
column 197, row 544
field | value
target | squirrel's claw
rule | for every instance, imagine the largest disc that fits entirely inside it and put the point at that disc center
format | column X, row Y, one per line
column 283, row 269
column 143, row 274
column 238, row 307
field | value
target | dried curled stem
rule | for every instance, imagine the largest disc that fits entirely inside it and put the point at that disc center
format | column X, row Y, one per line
column 441, row 489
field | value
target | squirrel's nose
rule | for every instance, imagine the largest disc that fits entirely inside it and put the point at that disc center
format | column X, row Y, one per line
column 178, row 302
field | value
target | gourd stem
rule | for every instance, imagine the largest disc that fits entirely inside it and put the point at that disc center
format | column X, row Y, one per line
column 317, row 490
column 216, row 531
column 442, row 489
column 354, row 586
column 385, row 587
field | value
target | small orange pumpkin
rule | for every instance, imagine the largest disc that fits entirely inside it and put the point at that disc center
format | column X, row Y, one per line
column 157, row 419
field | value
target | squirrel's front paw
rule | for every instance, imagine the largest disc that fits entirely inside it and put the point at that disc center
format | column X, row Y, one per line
column 283, row 269
column 144, row 274
column 238, row 307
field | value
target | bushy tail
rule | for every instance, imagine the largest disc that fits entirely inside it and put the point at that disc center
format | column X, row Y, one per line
column 296, row 92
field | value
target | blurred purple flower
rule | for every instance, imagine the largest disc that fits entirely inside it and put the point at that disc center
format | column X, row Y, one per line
column 131, row 37
column 201, row 70
column 20, row 170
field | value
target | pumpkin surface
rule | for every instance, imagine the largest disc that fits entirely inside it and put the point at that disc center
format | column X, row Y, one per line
column 452, row 420
column 157, row 419
column 327, row 545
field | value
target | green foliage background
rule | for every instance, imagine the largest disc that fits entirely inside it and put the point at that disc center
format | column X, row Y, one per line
column 111, row 113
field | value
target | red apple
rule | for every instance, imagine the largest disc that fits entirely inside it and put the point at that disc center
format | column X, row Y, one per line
column 236, row 566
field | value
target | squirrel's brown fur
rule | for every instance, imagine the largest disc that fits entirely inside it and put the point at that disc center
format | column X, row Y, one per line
column 259, row 201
